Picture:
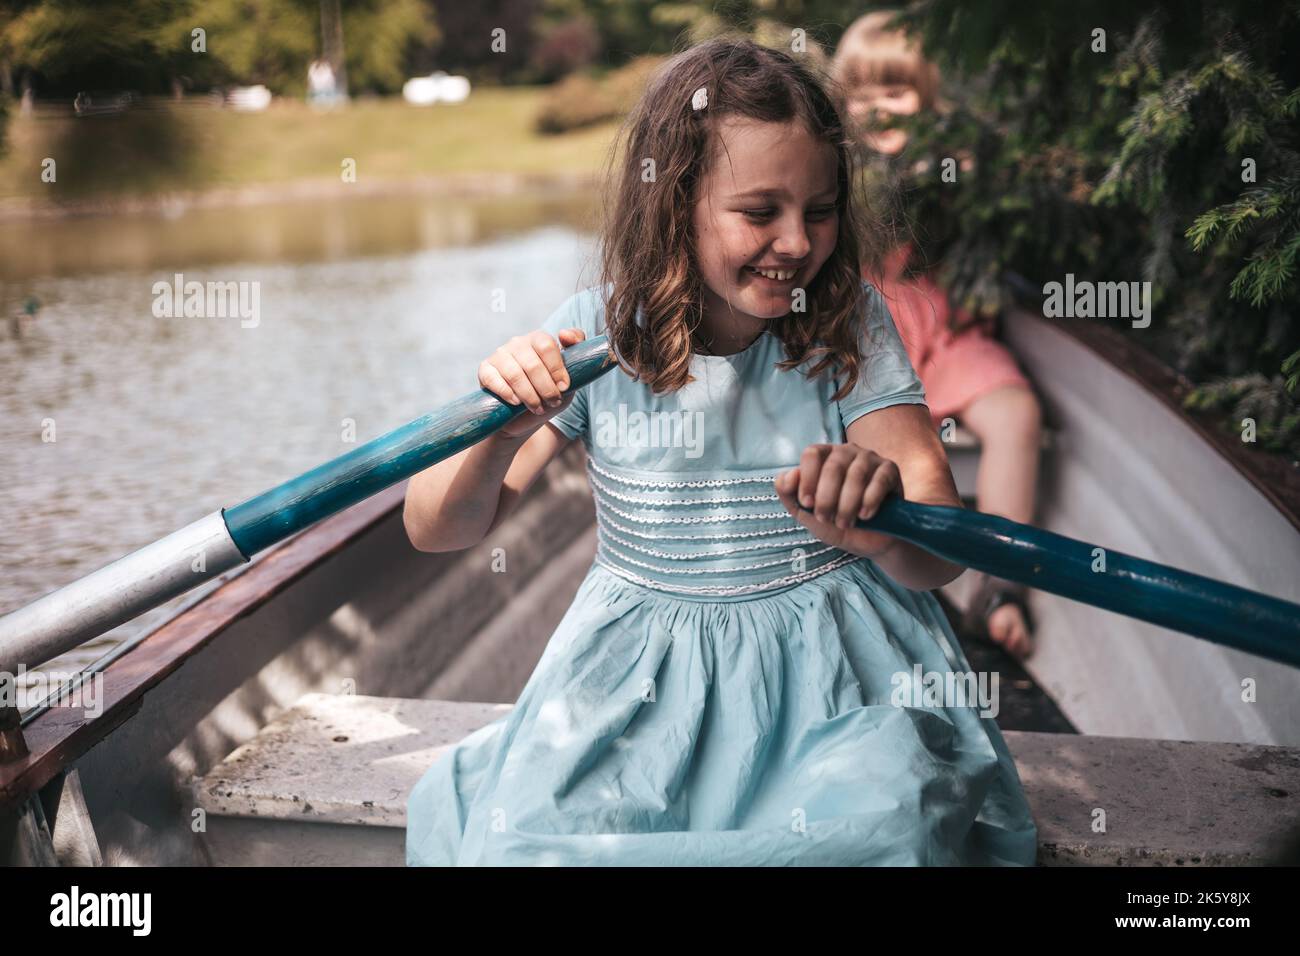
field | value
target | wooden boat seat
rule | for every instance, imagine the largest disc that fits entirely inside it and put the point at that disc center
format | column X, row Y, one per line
column 326, row 784
column 327, row 781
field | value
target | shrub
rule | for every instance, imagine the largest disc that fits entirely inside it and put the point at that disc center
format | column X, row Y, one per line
column 1168, row 155
column 581, row 100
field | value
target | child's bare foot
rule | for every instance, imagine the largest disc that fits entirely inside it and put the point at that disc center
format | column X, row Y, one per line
column 1007, row 627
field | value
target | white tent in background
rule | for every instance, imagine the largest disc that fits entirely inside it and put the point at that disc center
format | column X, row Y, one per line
column 249, row 98
column 437, row 87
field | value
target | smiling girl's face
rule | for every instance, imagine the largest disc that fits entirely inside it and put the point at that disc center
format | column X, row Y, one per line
column 767, row 204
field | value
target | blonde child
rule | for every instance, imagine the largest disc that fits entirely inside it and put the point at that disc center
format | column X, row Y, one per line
column 967, row 373
column 734, row 681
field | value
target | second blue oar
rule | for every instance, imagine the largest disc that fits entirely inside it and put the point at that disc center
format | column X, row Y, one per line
column 1179, row 600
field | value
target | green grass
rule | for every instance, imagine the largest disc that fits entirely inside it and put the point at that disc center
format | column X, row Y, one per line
column 194, row 146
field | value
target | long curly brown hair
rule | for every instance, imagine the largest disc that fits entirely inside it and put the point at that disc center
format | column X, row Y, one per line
column 648, row 247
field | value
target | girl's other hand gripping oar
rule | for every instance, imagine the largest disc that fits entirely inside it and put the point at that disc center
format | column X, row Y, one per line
column 840, row 484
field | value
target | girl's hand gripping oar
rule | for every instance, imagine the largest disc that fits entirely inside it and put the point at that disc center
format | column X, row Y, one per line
column 224, row 539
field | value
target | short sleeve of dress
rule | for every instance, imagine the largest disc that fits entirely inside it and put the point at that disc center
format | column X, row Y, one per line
column 885, row 375
column 581, row 310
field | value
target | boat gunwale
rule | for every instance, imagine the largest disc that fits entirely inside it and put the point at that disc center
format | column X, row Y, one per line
column 1267, row 472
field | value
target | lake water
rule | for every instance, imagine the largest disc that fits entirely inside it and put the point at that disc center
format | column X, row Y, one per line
column 118, row 427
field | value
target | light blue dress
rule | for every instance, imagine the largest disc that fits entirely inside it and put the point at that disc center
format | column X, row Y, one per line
column 724, row 689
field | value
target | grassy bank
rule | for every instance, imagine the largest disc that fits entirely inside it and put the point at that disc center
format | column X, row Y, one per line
column 166, row 147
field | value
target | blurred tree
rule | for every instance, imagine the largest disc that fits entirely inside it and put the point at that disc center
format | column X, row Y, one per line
column 487, row 39
column 1127, row 142
column 771, row 22
column 564, row 47
column 627, row 28
column 148, row 45
column 72, row 46
column 331, row 43
column 381, row 37
column 632, row 28
column 270, row 42
column 273, row 41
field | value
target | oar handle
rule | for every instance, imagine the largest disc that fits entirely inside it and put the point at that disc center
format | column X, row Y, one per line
column 1179, row 600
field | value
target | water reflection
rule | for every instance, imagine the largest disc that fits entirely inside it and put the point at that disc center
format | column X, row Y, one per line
column 369, row 317
column 303, row 231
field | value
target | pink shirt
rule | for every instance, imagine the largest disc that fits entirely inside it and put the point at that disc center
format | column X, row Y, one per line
column 956, row 368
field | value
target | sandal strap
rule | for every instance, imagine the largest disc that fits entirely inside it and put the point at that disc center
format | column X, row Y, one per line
column 992, row 593
column 1000, row 596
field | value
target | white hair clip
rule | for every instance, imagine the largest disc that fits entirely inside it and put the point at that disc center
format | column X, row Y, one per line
column 700, row 99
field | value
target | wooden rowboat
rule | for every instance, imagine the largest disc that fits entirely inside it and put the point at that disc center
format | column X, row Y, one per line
column 284, row 716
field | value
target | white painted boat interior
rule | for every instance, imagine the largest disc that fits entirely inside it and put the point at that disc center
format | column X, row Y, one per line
column 1126, row 472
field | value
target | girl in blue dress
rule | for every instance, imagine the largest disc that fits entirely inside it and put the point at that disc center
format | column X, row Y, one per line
column 738, row 680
